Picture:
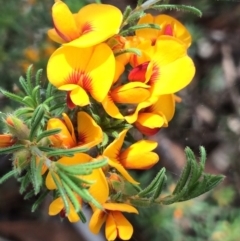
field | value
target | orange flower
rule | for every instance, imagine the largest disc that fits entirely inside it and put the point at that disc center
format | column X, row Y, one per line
column 168, row 26
column 89, row 134
column 92, row 25
column 82, row 72
column 6, row 140
column 137, row 156
column 116, row 224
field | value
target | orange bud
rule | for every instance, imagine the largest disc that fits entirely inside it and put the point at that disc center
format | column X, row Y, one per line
column 6, row 140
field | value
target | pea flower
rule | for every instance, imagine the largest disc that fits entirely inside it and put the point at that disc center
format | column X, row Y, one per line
column 165, row 67
column 116, row 224
column 89, row 133
column 82, row 72
column 93, row 24
column 168, row 26
column 137, row 156
column 57, row 207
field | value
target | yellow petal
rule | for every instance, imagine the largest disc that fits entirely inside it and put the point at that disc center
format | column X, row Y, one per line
column 64, row 22
column 97, row 220
column 63, row 138
column 111, row 228
column 99, row 190
column 123, row 207
column 67, row 65
column 170, row 68
column 151, row 120
column 89, row 133
column 111, row 109
column 133, row 117
column 130, row 93
column 101, row 70
column 93, row 21
column 113, row 149
column 79, row 96
column 122, row 170
column 147, row 33
column 124, row 227
column 50, row 184
column 76, row 159
column 56, row 206
column 166, row 105
column 69, row 125
column 72, row 216
column 139, row 155
column 178, row 30
column 52, row 34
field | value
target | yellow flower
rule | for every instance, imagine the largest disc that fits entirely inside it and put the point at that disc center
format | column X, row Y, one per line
column 92, row 25
column 165, row 67
column 57, row 207
column 116, row 224
column 6, row 140
column 89, row 134
column 168, row 26
column 150, row 117
column 137, row 156
column 82, row 72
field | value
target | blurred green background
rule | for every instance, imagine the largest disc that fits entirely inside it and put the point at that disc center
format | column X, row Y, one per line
column 208, row 115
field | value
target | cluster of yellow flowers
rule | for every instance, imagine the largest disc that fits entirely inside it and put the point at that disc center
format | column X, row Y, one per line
column 133, row 78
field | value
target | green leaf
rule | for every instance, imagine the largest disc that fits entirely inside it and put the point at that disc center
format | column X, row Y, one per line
column 126, row 13
column 74, row 200
column 164, row 7
column 140, row 26
column 61, row 191
column 36, row 94
column 39, row 200
column 129, row 50
column 35, row 178
column 141, row 203
column 23, row 83
column 29, row 195
column 203, row 186
column 36, row 120
column 82, row 192
column 153, row 186
column 8, row 175
column 83, row 168
column 11, row 149
column 25, row 181
column 82, row 216
column 23, row 111
column 28, row 101
column 66, row 152
column 29, row 78
column 12, row 96
column 38, row 77
column 47, row 133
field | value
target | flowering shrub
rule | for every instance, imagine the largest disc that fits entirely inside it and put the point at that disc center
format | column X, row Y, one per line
column 113, row 74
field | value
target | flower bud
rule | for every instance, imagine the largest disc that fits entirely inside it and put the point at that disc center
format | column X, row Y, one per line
column 6, row 140
column 21, row 159
column 17, row 128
